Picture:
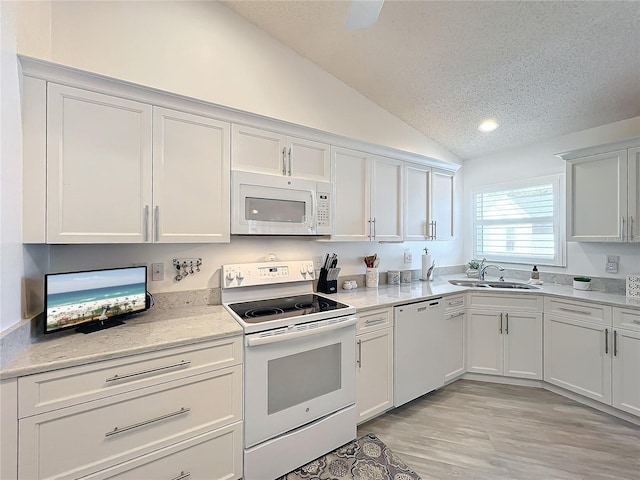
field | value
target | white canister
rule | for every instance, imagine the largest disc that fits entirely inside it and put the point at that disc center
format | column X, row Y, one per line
column 393, row 277
column 405, row 276
column 581, row 283
column 371, row 277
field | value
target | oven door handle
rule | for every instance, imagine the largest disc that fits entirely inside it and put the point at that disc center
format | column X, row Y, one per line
column 255, row 341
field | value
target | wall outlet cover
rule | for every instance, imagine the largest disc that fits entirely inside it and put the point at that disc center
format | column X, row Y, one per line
column 408, row 258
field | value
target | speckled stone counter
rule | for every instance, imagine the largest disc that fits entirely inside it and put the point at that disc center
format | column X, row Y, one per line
column 150, row 331
column 389, row 295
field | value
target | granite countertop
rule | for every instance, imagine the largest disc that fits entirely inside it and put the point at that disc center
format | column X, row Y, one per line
column 364, row 298
column 150, row 331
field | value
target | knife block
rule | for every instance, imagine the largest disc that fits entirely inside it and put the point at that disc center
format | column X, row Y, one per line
column 324, row 285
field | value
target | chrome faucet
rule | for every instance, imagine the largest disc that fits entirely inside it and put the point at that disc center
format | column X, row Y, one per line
column 484, row 269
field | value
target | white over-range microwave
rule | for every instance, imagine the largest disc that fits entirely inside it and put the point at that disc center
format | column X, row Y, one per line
column 272, row 205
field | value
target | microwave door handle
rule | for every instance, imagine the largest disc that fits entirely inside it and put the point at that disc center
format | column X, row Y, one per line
column 289, row 161
column 284, row 161
column 253, row 342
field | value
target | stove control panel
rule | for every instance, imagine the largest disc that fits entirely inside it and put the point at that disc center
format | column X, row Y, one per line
column 267, row 273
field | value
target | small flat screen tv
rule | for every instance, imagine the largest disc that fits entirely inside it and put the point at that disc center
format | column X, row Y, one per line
column 94, row 299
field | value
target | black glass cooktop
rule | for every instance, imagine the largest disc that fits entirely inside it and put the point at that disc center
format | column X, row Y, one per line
column 276, row 308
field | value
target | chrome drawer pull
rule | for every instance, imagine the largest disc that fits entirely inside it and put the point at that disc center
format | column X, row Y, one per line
column 455, row 304
column 635, row 321
column 146, row 422
column 183, row 363
column 456, row 315
column 182, row 476
column 375, row 322
column 582, row 312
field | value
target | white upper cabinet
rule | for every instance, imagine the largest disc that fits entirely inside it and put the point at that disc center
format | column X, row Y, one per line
column 417, row 202
column 190, row 178
column 442, row 192
column 98, row 168
column 368, row 197
column 121, row 171
column 602, row 194
column 263, row 151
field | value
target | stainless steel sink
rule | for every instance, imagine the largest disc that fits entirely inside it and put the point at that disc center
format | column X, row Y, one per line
column 493, row 284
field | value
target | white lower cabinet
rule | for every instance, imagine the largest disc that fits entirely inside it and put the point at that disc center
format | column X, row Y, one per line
column 183, row 419
column 504, row 335
column 455, row 332
column 374, row 363
column 626, row 371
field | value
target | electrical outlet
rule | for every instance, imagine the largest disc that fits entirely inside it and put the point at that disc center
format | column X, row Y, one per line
column 612, row 263
column 157, row 271
column 407, row 257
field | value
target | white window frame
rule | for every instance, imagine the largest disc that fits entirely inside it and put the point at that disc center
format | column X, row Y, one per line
column 559, row 223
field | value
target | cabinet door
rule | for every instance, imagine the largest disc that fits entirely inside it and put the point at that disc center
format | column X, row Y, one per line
column 634, row 195
column 191, row 157
column 352, row 198
column 454, row 345
column 417, row 202
column 255, row 150
column 576, row 357
column 484, row 343
column 308, row 159
column 98, row 168
column 626, row 378
column 374, row 373
column 386, row 199
column 523, row 345
column 442, row 204
column 597, row 197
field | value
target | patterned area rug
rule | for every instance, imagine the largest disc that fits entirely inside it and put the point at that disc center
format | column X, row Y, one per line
column 366, row 458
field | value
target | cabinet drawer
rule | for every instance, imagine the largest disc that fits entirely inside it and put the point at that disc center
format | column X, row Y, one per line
column 626, row 318
column 49, row 391
column 212, row 456
column 454, row 302
column 579, row 310
column 118, row 429
column 499, row 301
column 374, row 320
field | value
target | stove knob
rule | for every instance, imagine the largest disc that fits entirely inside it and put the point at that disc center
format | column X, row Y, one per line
column 303, row 270
column 310, row 269
column 230, row 276
column 239, row 275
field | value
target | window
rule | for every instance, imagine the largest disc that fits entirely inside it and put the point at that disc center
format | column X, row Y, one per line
column 521, row 222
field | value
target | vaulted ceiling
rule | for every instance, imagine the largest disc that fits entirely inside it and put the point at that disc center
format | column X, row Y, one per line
column 539, row 68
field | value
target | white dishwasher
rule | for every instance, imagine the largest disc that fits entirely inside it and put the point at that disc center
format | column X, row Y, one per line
column 418, row 349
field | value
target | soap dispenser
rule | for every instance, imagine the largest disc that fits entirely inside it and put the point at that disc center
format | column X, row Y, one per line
column 535, row 275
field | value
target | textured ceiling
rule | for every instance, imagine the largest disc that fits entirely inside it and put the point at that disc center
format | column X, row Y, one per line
column 540, row 69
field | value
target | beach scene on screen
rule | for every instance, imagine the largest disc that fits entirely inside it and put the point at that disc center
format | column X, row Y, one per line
column 76, row 298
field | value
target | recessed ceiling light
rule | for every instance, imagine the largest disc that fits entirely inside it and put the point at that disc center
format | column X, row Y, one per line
column 488, row 126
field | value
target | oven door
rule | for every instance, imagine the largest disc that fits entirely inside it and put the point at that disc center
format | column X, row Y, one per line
column 270, row 205
column 295, row 378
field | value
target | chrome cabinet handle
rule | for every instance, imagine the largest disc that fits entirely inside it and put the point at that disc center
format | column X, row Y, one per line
column 284, row 162
column 606, row 340
column 631, row 237
column 156, row 223
column 370, row 236
column 455, row 304
column 375, row 321
column 622, row 228
column 182, row 475
column 116, row 377
column 615, row 343
column 456, row 315
column 500, row 323
column 117, row 430
column 374, row 228
column 289, row 161
column 506, row 330
column 422, row 309
column 146, row 223
column 359, row 360
column 582, row 312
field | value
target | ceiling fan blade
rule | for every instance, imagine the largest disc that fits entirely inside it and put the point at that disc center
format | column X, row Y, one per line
column 363, row 13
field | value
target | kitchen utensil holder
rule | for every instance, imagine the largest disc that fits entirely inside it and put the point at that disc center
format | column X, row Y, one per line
column 328, row 286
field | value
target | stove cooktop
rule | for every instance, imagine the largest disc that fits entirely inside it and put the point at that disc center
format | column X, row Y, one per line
column 268, row 310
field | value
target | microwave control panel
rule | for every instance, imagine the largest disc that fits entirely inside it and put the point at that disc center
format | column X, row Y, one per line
column 323, row 220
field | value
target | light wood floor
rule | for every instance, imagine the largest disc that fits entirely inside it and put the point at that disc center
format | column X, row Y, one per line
column 486, row 431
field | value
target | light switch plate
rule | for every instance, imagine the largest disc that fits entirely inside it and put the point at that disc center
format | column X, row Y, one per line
column 157, row 271
column 612, row 263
